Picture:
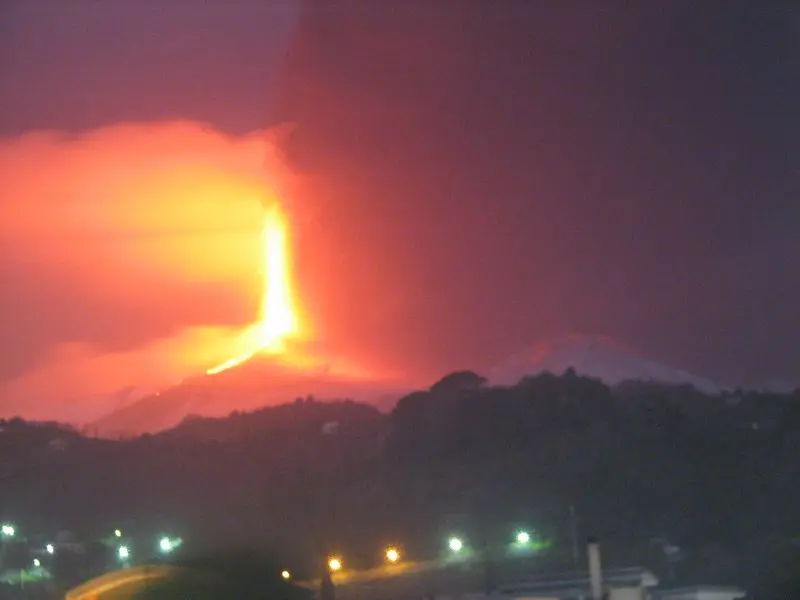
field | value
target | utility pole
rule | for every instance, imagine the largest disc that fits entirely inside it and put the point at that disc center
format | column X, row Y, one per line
column 574, row 526
column 327, row 590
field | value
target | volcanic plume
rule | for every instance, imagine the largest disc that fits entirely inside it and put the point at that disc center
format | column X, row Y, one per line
column 271, row 365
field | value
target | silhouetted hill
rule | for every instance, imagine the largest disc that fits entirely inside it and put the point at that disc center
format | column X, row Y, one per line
column 264, row 381
column 256, row 383
column 595, row 356
column 713, row 474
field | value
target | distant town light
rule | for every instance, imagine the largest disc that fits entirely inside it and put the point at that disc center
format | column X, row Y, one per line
column 523, row 537
column 50, row 549
column 335, row 564
column 285, row 574
column 392, row 554
column 165, row 544
column 123, row 553
column 7, row 530
column 117, row 533
column 455, row 544
column 37, row 562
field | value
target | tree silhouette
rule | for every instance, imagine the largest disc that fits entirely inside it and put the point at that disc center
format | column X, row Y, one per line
column 243, row 575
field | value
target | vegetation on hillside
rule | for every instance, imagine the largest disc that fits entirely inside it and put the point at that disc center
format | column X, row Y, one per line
column 643, row 466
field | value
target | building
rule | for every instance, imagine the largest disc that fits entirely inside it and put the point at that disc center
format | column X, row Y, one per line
column 703, row 592
column 617, row 584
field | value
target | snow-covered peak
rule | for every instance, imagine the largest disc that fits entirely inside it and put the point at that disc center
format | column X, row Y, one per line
column 593, row 356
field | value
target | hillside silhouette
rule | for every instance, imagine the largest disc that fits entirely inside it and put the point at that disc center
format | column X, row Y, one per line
column 258, row 382
column 643, row 465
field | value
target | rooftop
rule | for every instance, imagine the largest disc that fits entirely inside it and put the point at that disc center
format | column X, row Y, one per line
column 578, row 582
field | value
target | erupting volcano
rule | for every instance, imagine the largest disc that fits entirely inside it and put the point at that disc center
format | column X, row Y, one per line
column 273, row 360
column 278, row 321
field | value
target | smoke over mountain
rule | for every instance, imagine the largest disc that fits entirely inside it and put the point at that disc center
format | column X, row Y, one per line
column 130, row 256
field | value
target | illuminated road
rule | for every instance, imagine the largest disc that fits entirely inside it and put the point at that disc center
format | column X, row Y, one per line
column 352, row 577
column 410, row 579
column 406, row 579
column 122, row 583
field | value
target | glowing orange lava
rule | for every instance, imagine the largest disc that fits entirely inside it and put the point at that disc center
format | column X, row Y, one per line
column 278, row 321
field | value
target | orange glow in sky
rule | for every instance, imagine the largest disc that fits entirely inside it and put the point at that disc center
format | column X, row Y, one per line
column 145, row 253
column 278, row 320
column 144, row 245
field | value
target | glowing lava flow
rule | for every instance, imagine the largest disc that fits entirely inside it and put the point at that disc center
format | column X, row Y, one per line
column 277, row 319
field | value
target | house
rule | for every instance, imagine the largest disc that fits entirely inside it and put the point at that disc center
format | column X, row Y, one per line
column 616, row 584
column 619, row 584
column 702, row 592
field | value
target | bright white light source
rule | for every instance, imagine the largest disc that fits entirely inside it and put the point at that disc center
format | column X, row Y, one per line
column 123, row 552
column 455, row 544
column 335, row 564
column 50, row 549
column 37, row 562
column 286, row 574
column 165, row 544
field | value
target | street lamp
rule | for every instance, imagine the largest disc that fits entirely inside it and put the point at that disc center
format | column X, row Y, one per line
column 335, row 564
column 50, row 549
column 455, row 544
column 392, row 554
column 117, row 533
column 286, row 575
column 37, row 563
column 523, row 537
column 8, row 530
column 167, row 544
column 123, row 553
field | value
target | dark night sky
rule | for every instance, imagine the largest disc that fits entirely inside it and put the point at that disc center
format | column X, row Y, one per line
column 479, row 175
column 579, row 167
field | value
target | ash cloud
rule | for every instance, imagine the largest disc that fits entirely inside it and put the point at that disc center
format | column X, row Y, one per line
column 123, row 248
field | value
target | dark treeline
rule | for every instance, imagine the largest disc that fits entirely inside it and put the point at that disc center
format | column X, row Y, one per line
column 642, row 465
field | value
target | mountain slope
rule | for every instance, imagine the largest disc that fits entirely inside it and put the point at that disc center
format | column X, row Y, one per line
column 256, row 383
column 594, row 356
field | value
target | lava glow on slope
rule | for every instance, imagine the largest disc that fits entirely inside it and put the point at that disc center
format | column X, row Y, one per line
column 278, row 320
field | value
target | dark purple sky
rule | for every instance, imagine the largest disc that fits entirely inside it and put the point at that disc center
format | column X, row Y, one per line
column 481, row 174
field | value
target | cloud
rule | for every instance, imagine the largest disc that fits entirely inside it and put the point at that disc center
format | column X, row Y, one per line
column 127, row 251
column 84, row 381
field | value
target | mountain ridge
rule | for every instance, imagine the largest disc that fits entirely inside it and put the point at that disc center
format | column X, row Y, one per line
column 263, row 381
column 598, row 356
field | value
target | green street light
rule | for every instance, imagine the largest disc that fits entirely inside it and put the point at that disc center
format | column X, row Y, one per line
column 167, row 544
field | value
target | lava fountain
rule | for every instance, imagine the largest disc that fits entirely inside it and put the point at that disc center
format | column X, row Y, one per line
column 277, row 320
